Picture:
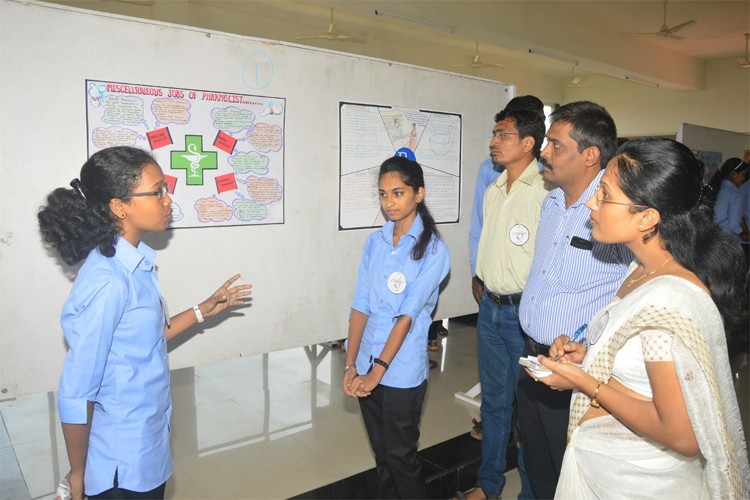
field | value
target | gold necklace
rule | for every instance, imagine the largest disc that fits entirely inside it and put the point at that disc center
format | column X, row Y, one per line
column 633, row 281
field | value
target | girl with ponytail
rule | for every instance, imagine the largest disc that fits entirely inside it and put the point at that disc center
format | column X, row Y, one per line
column 113, row 399
column 403, row 264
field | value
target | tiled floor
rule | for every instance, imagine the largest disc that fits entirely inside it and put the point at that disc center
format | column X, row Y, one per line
column 268, row 426
column 274, row 426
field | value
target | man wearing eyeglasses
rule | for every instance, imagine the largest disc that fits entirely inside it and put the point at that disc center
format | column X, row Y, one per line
column 571, row 277
column 511, row 210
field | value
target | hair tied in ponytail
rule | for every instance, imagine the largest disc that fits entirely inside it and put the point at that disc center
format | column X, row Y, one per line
column 706, row 193
column 76, row 184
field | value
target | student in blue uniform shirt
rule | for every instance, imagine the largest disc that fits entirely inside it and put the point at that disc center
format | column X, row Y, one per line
column 113, row 398
column 729, row 203
column 403, row 264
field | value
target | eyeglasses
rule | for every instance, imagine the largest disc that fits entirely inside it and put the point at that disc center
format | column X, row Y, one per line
column 599, row 199
column 161, row 193
column 501, row 134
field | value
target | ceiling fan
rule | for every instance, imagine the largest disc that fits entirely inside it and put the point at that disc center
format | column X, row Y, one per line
column 333, row 34
column 575, row 81
column 745, row 63
column 477, row 63
column 665, row 31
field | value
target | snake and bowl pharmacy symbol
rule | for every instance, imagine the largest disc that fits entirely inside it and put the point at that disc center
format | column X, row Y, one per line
column 519, row 234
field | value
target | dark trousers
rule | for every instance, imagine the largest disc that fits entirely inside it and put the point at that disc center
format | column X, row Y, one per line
column 391, row 416
column 543, row 422
column 118, row 493
column 432, row 332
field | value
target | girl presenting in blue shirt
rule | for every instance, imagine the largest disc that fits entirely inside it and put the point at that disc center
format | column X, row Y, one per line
column 113, row 397
column 403, row 264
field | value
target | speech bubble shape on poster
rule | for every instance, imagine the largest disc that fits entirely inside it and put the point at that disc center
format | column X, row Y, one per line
column 264, row 191
column 254, row 162
column 113, row 136
column 247, row 210
column 175, row 111
column 265, row 137
column 212, row 210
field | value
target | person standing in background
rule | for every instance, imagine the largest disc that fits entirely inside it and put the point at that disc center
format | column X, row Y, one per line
column 729, row 203
column 488, row 173
column 571, row 276
column 745, row 223
column 511, row 211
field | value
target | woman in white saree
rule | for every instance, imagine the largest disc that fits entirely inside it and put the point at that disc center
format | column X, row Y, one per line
column 654, row 413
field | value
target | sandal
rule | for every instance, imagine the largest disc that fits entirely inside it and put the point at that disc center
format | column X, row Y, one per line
column 476, row 431
column 460, row 495
column 432, row 345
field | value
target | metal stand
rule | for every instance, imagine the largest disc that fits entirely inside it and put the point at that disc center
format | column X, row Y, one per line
column 471, row 395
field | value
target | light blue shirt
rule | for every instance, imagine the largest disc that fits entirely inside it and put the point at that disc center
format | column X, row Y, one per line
column 728, row 208
column 488, row 174
column 372, row 297
column 113, row 322
column 566, row 284
column 745, row 197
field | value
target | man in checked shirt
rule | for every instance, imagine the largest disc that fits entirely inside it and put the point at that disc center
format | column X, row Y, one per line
column 571, row 276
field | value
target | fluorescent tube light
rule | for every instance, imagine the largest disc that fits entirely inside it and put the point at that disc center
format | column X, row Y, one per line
column 557, row 57
column 642, row 82
column 418, row 22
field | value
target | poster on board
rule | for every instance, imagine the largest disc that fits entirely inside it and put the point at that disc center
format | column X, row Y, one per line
column 222, row 154
column 370, row 134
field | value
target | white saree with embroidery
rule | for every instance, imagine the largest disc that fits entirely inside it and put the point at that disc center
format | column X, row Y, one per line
column 666, row 319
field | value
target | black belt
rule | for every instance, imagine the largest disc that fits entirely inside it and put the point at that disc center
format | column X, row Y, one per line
column 537, row 348
column 513, row 299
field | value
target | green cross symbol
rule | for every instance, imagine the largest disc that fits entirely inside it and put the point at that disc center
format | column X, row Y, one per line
column 194, row 160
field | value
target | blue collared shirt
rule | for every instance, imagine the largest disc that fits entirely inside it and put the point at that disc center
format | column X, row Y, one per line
column 488, row 173
column 113, row 322
column 728, row 208
column 373, row 298
column 566, row 284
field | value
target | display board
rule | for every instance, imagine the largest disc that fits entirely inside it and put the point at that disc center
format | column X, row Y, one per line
column 370, row 133
column 302, row 266
column 235, row 178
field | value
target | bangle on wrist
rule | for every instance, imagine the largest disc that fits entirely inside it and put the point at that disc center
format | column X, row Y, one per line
column 198, row 314
column 382, row 363
column 594, row 402
column 352, row 365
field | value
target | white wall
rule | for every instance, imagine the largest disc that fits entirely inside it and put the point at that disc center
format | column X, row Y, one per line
column 724, row 103
column 303, row 271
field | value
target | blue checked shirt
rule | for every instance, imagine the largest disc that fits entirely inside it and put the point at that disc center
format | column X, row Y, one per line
column 488, row 173
column 568, row 285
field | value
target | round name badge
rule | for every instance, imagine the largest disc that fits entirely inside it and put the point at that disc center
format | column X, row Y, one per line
column 596, row 331
column 397, row 282
column 519, row 234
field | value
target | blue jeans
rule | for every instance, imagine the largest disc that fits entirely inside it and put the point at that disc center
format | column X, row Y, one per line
column 500, row 344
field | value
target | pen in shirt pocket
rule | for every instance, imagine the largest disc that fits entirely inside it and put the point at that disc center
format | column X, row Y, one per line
column 574, row 338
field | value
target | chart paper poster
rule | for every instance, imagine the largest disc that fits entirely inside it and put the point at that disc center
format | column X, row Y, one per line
column 222, row 154
column 370, row 134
